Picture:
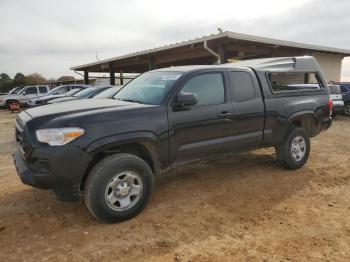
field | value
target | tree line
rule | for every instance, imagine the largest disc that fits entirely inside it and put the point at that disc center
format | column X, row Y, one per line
column 7, row 83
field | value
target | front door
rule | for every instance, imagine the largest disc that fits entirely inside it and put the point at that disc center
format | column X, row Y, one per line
column 29, row 93
column 205, row 128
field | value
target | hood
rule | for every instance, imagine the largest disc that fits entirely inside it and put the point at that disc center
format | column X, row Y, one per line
column 73, row 107
column 64, row 99
column 47, row 97
column 10, row 96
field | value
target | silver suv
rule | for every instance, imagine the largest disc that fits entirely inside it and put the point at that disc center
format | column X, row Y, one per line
column 27, row 93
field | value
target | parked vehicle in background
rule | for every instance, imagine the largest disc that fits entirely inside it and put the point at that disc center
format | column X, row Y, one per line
column 108, row 93
column 111, row 150
column 345, row 89
column 336, row 96
column 87, row 93
column 57, row 92
column 24, row 95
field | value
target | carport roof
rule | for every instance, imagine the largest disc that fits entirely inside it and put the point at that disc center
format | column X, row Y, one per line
column 103, row 65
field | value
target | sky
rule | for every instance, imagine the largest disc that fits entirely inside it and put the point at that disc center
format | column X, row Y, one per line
column 49, row 36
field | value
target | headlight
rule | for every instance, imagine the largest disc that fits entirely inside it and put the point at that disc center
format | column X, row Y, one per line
column 58, row 136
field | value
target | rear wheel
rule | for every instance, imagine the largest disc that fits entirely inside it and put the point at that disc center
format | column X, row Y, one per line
column 295, row 149
column 347, row 109
column 118, row 187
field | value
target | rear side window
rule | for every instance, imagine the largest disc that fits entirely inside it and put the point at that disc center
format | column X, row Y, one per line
column 31, row 90
column 42, row 89
column 209, row 88
column 294, row 81
column 243, row 87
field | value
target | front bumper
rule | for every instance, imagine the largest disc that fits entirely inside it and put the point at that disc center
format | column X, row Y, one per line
column 28, row 177
column 53, row 168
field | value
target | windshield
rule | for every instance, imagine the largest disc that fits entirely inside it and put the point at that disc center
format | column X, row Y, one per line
column 85, row 92
column 15, row 90
column 109, row 93
column 72, row 92
column 54, row 91
column 148, row 88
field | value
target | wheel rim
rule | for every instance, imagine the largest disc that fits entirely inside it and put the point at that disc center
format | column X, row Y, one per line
column 347, row 110
column 298, row 148
column 123, row 191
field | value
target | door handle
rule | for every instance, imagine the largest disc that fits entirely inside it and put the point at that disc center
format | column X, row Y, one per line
column 224, row 114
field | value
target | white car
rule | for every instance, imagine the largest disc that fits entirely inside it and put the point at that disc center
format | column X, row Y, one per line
column 27, row 93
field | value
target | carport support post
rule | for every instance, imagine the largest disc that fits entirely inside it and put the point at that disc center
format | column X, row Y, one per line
column 121, row 78
column 86, row 77
column 151, row 63
column 111, row 75
column 223, row 54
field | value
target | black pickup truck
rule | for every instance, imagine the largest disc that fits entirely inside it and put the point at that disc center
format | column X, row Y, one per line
column 110, row 151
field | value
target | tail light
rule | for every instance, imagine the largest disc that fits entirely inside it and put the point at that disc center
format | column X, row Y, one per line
column 330, row 105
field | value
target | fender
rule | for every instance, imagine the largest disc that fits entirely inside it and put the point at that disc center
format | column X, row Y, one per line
column 305, row 116
column 301, row 113
column 147, row 139
column 125, row 138
column 288, row 121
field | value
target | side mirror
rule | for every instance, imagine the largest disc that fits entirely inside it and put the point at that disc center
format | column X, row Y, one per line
column 185, row 100
column 24, row 93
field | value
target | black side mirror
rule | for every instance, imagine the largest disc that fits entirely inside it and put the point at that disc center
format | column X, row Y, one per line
column 185, row 100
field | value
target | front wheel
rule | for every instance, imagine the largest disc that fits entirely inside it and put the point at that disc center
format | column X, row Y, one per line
column 118, row 187
column 295, row 149
column 347, row 109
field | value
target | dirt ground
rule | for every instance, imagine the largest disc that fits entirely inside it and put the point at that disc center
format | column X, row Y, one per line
column 241, row 208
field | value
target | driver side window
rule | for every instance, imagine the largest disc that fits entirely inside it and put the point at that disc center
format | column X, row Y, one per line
column 31, row 91
column 209, row 88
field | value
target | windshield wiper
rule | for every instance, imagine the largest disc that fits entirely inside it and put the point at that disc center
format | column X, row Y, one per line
column 131, row 100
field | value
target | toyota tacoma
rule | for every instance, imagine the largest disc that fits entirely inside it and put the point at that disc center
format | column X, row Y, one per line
column 109, row 151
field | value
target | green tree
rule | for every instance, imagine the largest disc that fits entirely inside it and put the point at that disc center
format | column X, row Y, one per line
column 5, row 82
column 19, row 79
column 34, row 79
column 65, row 78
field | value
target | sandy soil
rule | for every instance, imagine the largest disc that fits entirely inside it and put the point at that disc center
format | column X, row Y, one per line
column 242, row 208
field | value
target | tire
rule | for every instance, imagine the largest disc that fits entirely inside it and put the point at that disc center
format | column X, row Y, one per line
column 347, row 109
column 114, row 182
column 9, row 102
column 295, row 149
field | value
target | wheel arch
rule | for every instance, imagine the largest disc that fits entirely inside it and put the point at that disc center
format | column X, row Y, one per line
column 306, row 120
column 8, row 101
column 141, row 144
